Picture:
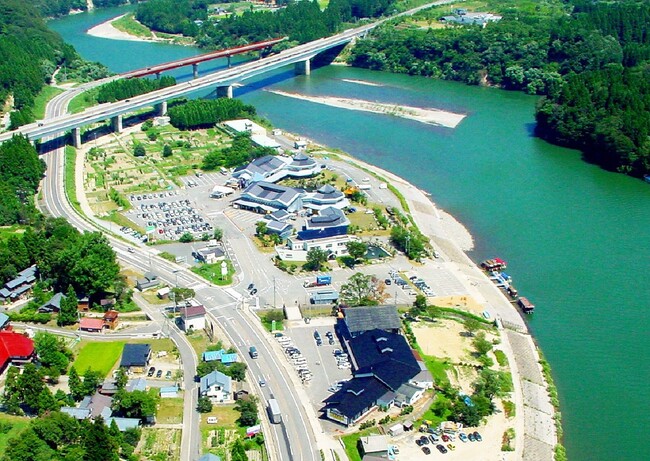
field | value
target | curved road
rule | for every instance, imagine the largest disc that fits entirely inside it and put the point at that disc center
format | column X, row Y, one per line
column 294, row 438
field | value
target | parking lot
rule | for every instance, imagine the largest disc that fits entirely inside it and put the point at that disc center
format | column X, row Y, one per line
column 170, row 215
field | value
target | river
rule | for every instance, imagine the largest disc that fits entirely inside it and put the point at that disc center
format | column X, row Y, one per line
column 575, row 236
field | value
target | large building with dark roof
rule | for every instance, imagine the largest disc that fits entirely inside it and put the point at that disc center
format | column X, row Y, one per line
column 328, row 223
column 383, row 368
column 326, row 196
column 357, row 320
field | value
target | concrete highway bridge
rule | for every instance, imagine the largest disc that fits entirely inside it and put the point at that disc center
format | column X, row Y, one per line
column 222, row 80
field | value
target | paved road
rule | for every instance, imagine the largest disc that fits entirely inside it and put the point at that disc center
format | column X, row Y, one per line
column 295, row 436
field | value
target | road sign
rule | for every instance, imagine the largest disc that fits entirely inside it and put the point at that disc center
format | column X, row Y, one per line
column 150, row 229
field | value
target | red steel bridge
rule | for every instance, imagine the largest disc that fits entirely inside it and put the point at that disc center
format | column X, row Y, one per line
column 196, row 60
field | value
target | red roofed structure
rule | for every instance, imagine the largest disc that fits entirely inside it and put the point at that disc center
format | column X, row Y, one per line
column 92, row 325
column 15, row 347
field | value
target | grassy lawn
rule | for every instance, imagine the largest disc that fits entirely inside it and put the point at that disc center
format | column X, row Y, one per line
column 99, row 356
column 129, row 25
column 10, row 426
column 437, row 367
column 8, row 231
column 82, row 102
column 212, row 272
column 170, row 411
column 199, row 342
column 350, row 443
column 70, row 189
column 42, row 98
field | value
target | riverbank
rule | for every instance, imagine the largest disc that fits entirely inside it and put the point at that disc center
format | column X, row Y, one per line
column 535, row 431
column 108, row 31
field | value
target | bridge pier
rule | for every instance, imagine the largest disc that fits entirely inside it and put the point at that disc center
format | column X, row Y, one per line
column 161, row 108
column 195, row 70
column 116, row 123
column 224, row 91
column 76, row 137
column 229, row 64
column 303, row 67
column 157, row 75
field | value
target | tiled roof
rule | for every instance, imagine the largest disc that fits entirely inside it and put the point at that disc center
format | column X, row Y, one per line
column 192, row 312
column 216, row 377
column 368, row 318
column 88, row 323
column 135, row 355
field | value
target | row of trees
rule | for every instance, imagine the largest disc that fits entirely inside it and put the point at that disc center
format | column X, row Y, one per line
column 118, row 90
column 203, row 113
column 591, row 64
column 300, row 21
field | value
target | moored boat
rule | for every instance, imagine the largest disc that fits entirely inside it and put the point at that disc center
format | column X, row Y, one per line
column 526, row 305
column 512, row 291
column 494, row 264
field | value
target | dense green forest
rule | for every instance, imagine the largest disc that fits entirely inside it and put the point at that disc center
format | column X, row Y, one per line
column 203, row 113
column 241, row 151
column 588, row 58
column 55, row 8
column 300, row 21
column 20, row 172
column 29, row 56
column 127, row 88
column 64, row 256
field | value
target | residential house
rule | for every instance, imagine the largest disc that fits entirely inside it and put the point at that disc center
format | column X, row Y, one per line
column 123, row 424
column 54, row 303
column 373, row 445
column 83, row 304
column 163, row 293
column 150, row 280
column 18, row 287
column 217, row 387
column 169, row 392
column 91, row 325
column 135, row 357
column 137, row 384
column 192, row 318
column 265, row 197
column 110, row 319
column 357, row 320
column 4, row 321
column 330, row 222
column 463, row 17
column 326, row 196
column 242, row 390
column 15, row 348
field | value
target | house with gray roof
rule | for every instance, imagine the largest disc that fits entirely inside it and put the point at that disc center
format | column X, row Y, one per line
column 77, row 413
column 358, row 320
column 217, row 387
column 54, row 304
column 19, row 286
column 265, row 197
column 326, row 196
column 283, row 229
column 4, row 320
column 123, row 424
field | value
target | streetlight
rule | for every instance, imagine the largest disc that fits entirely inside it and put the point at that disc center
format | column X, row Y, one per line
column 175, row 272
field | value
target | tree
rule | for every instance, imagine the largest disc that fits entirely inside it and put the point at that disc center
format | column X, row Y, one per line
column 361, row 290
column 187, row 237
column 472, row 325
column 11, row 398
column 121, row 378
column 315, row 259
column 218, row 234
column 139, row 150
column 136, row 404
column 204, row 405
column 91, row 382
column 420, row 304
column 237, row 371
column 357, row 250
column 238, row 451
column 68, row 308
column 52, row 352
column 30, row 386
column 167, row 151
column 261, row 228
column 481, row 344
column 74, row 384
column 181, row 294
column 248, row 411
column 97, row 443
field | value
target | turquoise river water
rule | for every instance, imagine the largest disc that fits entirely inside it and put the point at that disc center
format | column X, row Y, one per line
column 575, row 237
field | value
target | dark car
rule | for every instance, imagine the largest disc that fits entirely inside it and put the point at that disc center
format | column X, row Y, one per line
column 388, row 281
column 424, row 440
column 151, row 371
column 168, row 375
column 478, row 437
column 331, row 341
column 426, row 450
column 253, row 291
column 159, row 374
column 419, row 442
column 471, row 437
column 441, row 449
column 445, row 438
column 250, row 286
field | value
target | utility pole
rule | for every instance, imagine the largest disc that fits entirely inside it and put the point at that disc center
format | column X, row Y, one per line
column 274, row 304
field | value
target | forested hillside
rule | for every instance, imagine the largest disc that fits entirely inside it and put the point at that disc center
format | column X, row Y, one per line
column 29, row 56
column 300, row 21
column 588, row 58
column 54, row 8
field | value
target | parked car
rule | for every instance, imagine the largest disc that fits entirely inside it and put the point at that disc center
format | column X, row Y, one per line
column 159, row 374
column 151, row 371
column 419, row 442
column 424, row 440
column 250, row 286
column 426, row 450
column 462, row 437
column 434, row 438
column 388, row 281
column 451, row 446
column 445, row 438
column 168, row 375
column 471, row 437
column 478, row 437
column 441, row 448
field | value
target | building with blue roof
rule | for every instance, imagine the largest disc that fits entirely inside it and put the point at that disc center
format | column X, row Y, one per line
column 4, row 320
column 209, row 457
column 168, row 392
column 123, row 424
column 328, row 223
column 211, row 356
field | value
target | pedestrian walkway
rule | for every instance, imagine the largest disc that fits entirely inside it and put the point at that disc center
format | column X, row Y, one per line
column 241, row 218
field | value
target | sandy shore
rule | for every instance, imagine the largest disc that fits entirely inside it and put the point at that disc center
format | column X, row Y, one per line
column 428, row 116
column 107, row 30
column 360, row 82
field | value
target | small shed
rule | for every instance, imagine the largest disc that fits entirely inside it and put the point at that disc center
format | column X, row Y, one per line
column 324, row 297
column 110, row 319
column 91, row 325
column 397, row 429
column 169, row 392
column 163, row 293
